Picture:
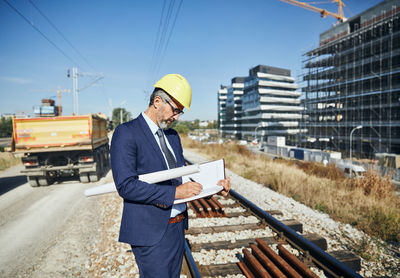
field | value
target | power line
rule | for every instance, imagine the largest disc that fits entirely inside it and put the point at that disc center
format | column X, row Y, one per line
column 72, row 46
column 150, row 72
column 61, row 34
column 169, row 37
column 158, row 32
column 163, row 33
column 93, row 79
column 43, row 35
column 163, row 39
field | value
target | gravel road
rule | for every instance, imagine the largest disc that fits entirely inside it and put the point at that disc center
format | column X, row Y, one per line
column 45, row 231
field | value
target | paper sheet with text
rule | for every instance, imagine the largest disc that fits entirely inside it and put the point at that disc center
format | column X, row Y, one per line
column 209, row 175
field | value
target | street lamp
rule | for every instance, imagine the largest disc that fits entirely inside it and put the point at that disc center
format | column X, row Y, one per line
column 120, row 111
column 260, row 124
column 351, row 158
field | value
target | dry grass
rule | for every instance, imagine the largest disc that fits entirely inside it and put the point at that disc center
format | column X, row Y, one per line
column 370, row 204
column 7, row 160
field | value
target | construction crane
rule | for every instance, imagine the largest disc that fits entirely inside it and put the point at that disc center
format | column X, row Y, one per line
column 59, row 91
column 324, row 13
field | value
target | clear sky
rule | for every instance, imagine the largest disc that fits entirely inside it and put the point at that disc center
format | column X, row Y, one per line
column 212, row 41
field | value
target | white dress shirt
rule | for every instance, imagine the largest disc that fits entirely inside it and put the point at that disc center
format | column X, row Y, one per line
column 179, row 208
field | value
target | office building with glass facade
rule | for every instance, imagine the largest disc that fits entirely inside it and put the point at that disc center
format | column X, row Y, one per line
column 221, row 108
column 233, row 109
column 270, row 105
column 263, row 104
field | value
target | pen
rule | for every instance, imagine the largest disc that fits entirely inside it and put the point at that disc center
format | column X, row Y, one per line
column 192, row 180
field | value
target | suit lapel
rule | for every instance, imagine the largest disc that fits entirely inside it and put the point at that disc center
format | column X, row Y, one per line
column 150, row 139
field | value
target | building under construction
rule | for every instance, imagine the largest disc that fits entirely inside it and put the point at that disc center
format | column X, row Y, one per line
column 353, row 79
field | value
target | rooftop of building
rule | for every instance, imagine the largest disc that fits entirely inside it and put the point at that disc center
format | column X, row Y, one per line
column 363, row 19
column 268, row 69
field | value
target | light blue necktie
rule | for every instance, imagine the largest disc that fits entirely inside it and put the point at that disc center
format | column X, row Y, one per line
column 168, row 155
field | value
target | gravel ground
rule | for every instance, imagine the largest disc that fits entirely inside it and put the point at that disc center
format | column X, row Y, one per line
column 80, row 238
column 339, row 236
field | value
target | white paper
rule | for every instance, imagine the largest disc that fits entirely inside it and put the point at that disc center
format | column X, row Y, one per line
column 209, row 175
column 149, row 178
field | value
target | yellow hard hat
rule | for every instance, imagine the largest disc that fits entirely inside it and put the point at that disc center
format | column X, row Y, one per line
column 176, row 86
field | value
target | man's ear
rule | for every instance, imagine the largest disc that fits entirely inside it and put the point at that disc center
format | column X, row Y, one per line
column 157, row 102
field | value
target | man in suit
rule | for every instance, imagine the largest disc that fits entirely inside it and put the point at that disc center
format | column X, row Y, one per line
column 151, row 223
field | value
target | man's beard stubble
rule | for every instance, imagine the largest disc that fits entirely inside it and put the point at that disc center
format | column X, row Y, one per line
column 163, row 125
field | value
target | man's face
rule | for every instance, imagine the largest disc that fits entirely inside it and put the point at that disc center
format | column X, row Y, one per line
column 167, row 115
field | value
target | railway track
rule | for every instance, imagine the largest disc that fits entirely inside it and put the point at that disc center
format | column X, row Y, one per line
column 230, row 236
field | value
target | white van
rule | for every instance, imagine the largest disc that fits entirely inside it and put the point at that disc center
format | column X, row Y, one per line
column 357, row 171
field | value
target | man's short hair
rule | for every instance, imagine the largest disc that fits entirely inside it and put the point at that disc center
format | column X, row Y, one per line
column 160, row 93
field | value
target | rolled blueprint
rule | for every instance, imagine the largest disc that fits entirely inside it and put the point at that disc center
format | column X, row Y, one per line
column 149, row 178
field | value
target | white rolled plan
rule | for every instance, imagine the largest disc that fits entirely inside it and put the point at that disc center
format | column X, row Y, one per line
column 149, row 178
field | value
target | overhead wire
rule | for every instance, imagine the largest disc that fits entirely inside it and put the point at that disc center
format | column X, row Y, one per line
column 61, row 34
column 158, row 32
column 55, row 45
column 164, row 37
column 149, row 73
column 104, row 93
column 41, row 33
column 163, row 34
column 169, row 37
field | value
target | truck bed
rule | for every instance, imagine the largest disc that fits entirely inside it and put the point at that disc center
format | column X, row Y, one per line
column 49, row 134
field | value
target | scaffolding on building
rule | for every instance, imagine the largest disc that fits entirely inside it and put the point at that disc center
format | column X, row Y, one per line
column 353, row 79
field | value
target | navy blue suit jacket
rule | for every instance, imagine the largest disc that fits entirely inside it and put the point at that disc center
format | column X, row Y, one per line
column 147, row 207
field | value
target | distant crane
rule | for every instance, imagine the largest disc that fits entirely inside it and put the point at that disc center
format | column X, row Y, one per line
column 324, row 13
column 59, row 91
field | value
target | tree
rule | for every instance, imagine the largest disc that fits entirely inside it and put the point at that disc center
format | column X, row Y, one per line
column 181, row 127
column 116, row 116
column 6, row 127
column 212, row 125
column 196, row 124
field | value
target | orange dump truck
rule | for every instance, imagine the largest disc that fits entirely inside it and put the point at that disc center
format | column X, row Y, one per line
column 54, row 147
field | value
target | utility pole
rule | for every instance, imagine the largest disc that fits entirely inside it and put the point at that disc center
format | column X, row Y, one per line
column 75, row 90
column 96, row 77
column 351, row 157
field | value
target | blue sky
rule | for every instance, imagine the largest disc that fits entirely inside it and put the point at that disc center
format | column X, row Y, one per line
column 212, row 41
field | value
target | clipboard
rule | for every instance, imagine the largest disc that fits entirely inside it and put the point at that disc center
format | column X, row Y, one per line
column 208, row 176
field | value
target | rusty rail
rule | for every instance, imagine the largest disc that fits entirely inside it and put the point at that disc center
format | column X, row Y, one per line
column 194, row 271
column 319, row 256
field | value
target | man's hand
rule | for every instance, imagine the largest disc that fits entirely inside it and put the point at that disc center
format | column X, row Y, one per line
column 187, row 190
column 226, row 184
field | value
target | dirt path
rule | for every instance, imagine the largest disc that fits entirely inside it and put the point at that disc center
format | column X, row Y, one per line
column 46, row 231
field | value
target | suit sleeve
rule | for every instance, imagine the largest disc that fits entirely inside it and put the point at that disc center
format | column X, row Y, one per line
column 123, row 162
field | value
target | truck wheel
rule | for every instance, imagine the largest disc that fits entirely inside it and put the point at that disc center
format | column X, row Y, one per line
column 43, row 181
column 33, row 181
column 106, row 158
column 99, row 167
column 94, row 176
column 83, row 177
